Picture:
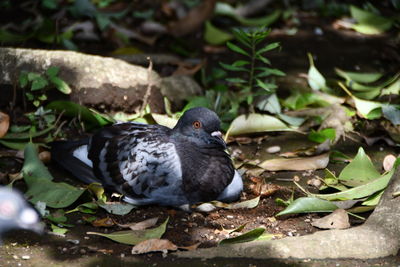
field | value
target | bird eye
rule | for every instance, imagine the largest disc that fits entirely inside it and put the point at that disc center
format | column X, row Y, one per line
column 197, row 124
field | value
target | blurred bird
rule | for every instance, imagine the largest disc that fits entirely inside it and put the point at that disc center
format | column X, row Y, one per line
column 153, row 164
column 15, row 213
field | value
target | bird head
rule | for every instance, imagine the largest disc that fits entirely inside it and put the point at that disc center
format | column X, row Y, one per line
column 202, row 126
column 15, row 213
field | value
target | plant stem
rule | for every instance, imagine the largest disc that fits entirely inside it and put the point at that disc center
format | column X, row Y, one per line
column 253, row 51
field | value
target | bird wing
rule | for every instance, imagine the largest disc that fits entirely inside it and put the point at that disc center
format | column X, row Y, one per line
column 139, row 161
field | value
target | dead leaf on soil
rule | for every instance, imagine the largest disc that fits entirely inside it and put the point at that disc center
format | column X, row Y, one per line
column 45, row 156
column 187, row 69
column 339, row 219
column 310, row 151
column 104, row 222
column 260, row 188
column 4, row 124
column 140, row 225
column 296, row 164
column 193, row 20
column 388, row 162
column 154, row 245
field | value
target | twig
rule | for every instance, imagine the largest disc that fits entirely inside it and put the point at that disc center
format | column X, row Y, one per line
column 149, row 85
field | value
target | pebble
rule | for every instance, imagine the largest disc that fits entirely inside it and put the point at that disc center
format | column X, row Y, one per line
column 229, row 217
column 273, row 149
column 25, row 257
column 73, row 241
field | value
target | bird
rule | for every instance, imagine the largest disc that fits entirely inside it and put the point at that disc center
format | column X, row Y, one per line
column 154, row 164
column 16, row 213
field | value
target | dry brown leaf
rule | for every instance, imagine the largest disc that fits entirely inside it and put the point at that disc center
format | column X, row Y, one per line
column 263, row 189
column 45, row 156
column 388, row 162
column 187, row 69
column 140, row 225
column 193, row 20
column 339, row 219
column 104, row 222
column 192, row 247
column 4, row 124
column 296, row 164
column 154, row 245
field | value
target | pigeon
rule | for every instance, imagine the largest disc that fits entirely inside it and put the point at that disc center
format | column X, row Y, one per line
column 15, row 213
column 153, row 164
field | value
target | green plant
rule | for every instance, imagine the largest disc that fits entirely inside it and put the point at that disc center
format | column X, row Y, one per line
column 256, row 77
column 38, row 84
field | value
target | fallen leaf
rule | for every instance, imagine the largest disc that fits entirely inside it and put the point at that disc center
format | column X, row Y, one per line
column 247, row 204
column 131, row 237
column 4, row 124
column 154, row 245
column 339, row 219
column 104, row 222
column 140, row 225
column 264, row 189
column 388, row 162
column 255, row 234
column 164, row 120
column 314, row 77
column 187, row 69
column 192, row 247
column 296, row 164
column 256, row 123
column 307, row 205
column 117, row 208
column 215, row 36
column 193, row 20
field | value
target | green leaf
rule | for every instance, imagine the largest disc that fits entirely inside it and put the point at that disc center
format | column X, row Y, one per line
column 322, row 135
column 246, row 237
column 247, row 204
column 13, row 144
column 88, row 208
column 361, row 191
column 117, row 208
column 366, row 108
column 232, row 68
column 374, row 199
column 256, row 123
column 267, row 48
column 366, row 77
column 52, row 71
column 75, row 110
column 242, row 37
column 359, row 171
column 27, row 135
column 40, row 185
column 266, row 86
column 237, row 49
column 62, row 86
column 393, row 89
column 268, row 71
column 165, row 120
column 263, row 59
column 315, row 78
column 58, row 230
column 270, row 104
column 293, row 121
column 240, row 63
column 227, row 10
column 215, row 36
column 8, row 37
column 23, row 79
column 307, row 205
column 38, row 83
column 368, row 22
column 236, row 80
column 133, row 237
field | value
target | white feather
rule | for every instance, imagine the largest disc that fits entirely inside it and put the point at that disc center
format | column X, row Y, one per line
column 81, row 153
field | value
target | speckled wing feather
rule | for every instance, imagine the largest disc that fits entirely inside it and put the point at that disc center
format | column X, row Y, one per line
column 139, row 161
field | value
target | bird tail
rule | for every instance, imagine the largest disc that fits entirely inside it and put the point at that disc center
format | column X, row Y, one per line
column 72, row 156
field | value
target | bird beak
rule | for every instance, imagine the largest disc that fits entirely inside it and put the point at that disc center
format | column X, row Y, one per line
column 219, row 138
column 217, row 134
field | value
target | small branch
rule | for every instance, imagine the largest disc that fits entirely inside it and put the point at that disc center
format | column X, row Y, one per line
column 149, row 85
